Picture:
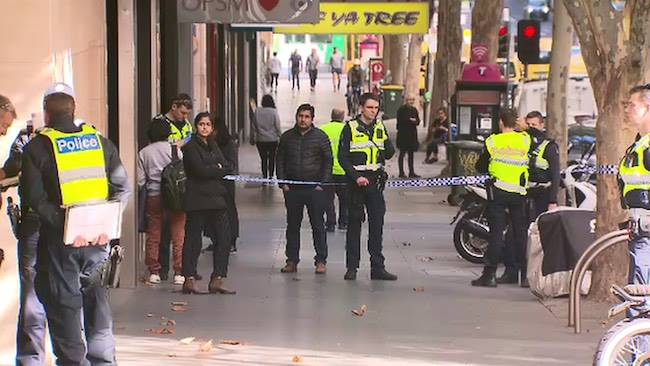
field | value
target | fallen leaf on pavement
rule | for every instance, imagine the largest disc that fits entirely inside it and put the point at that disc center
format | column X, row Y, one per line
column 160, row 330
column 172, row 355
column 406, row 244
column 418, row 289
column 426, row 259
column 179, row 308
column 230, row 342
column 149, row 315
column 179, row 303
column 361, row 311
column 296, row 359
column 206, row 347
column 187, row 340
column 168, row 322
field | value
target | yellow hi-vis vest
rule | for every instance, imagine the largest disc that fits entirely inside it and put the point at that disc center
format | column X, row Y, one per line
column 176, row 134
column 80, row 163
column 538, row 154
column 509, row 160
column 361, row 143
column 632, row 168
column 333, row 131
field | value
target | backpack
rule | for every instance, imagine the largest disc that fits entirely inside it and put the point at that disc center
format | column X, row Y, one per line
column 172, row 183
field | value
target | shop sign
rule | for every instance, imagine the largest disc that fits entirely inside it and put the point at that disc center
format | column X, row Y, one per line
column 248, row 11
column 367, row 18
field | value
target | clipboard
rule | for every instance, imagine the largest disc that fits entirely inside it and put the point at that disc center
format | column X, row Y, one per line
column 92, row 220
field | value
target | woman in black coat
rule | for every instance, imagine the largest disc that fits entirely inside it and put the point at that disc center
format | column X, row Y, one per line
column 407, row 135
column 205, row 205
column 228, row 147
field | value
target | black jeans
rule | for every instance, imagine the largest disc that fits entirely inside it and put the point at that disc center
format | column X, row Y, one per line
column 267, row 156
column 514, row 205
column 341, row 190
column 78, row 317
column 233, row 215
column 313, row 75
column 274, row 79
column 295, row 201
column 30, row 333
column 216, row 226
column 295, row 79
column 410, row 161
column 373, row 200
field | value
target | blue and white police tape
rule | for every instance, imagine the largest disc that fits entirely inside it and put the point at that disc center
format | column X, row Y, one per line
column 416, row 183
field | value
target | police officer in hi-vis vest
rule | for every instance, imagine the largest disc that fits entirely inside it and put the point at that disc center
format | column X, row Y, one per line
column 363, row 150
column 634, row 180
column 178, row 119
column 66, row 165
column 333, row 131
column 505, row 159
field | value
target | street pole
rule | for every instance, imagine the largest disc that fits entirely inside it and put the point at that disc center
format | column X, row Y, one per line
column 511, row 47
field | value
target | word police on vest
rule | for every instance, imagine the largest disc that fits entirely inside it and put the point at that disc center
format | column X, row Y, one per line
column 77, row 144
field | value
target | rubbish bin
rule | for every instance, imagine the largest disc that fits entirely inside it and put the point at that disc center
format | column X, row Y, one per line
column 392, row 99
column 464, row 155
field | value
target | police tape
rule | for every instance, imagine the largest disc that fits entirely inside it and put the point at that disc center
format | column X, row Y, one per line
column 415, row 183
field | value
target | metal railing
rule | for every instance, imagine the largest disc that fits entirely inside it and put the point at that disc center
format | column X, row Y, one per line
column 581, row 267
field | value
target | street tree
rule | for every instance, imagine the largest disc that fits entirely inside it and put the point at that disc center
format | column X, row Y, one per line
column 613, row 42
column 448, row 52
column 556, row 100
column 412, row 83
column 486, row 20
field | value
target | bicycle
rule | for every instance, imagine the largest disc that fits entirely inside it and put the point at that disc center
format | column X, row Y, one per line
column 352, row 99
column 628, row 341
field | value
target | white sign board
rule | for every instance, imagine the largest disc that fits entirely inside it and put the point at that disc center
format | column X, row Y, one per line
column 248, row 11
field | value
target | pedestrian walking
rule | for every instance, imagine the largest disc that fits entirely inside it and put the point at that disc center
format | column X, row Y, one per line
column 228, row 147
column 336, row 66
column 304, row 154
column 634, row 176
column 295, row 67
column 505, row 158
column 30, row 332
column 152, row 160
column 76, row 305
column 363, row 151
column 275, row 66
column 206, row 207
column 437, row 133
column 333, row 130
column 313, row 61
column 408, row 120
column 267, row 134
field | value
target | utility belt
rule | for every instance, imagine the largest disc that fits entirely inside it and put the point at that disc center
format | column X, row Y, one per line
column 107, row 272
column 537, row 188
column 375, row 177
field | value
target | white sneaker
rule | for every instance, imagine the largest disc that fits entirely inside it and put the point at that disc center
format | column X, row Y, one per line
column 179, row 280
column 154, row 278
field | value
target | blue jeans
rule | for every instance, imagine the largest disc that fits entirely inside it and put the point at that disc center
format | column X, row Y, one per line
column 30, row 333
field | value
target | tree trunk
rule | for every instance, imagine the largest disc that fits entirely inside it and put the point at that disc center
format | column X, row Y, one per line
column 412, row 82
column 556, row 100
column 447, row 63
column 611, row 44
column 486, row 20
column 398, row 58
column 387, row 51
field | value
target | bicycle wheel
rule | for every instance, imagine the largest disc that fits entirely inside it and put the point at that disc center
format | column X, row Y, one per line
column 626, row 343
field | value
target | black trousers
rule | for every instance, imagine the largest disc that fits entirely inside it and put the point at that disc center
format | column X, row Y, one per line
column 267, row 157
column 410, row 161
column 340, row 190
column 233, row 214
column 30, row 333
column 78, row 314
column 313, row 75
column 295, row 79
column 274, row 79
column 372, row 200
column 295, row 201
column 502, row 207
column 215, row 223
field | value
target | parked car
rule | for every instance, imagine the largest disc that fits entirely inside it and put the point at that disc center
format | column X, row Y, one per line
column 539, row 9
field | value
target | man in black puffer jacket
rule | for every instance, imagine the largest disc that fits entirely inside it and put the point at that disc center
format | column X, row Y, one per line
column 304, row 154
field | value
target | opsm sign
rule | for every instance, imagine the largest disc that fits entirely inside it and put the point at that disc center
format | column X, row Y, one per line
column 248, row 11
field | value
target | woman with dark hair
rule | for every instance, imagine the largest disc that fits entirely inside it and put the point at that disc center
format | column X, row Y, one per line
column 205, row 205
column 267, row 134
column 228, row 147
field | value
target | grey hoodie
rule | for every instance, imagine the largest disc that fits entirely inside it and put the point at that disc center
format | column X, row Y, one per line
column 267, row 125
column 152, row 159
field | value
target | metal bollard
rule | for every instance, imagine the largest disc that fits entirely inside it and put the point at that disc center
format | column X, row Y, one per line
column 577, row 276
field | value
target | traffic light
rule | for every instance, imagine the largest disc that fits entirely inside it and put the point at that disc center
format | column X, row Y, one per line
column 503, row 42
column 528, row 34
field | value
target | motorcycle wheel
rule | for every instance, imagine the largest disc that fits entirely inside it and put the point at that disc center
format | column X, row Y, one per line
column 626, row 343
column 466, row 244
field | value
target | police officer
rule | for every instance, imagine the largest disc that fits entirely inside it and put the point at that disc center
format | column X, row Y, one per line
column 545, row 177
column 57, row 173
column 7, row 116
column 506, row 160
column 363, row 150
column 634, row 180
column 333, row 130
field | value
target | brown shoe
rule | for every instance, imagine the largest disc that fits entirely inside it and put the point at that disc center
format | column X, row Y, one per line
column 290, row 267
column 216, row 286
column 320, row 268
column 191, row 287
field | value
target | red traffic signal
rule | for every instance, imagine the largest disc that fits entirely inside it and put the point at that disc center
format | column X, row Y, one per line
column 528, row 34
column 503, row 31
column 530, row 31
